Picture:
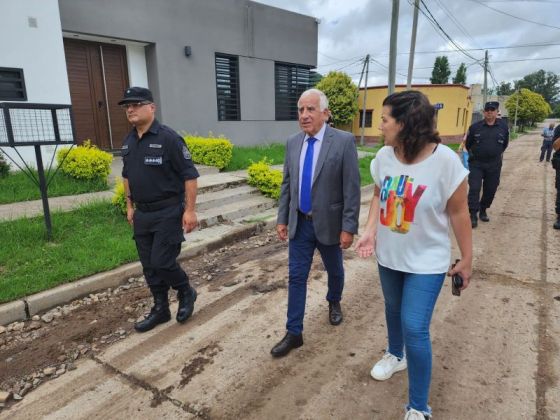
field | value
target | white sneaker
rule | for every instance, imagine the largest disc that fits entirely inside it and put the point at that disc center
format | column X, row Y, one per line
column 388, row 365
column 413, row 414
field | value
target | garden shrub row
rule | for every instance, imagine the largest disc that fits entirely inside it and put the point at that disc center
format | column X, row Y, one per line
column 85, row 162
column 266, row 179
column 211, row 151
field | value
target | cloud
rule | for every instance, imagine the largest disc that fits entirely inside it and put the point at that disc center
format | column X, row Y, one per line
column 351, row 29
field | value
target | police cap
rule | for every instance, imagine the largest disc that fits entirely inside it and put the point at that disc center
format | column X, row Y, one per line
column 136, row 94
column 492, row 105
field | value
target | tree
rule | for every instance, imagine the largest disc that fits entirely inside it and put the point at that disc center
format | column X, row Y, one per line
column 556, row 111
column 531, row 107
column 541, row 82
column 461, row 75
column 441, row 72
column 504, row 89
column 315, row 77
column 343, row 96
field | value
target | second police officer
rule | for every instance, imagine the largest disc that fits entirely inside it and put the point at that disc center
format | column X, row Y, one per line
column 160, row 182
column 486, row 141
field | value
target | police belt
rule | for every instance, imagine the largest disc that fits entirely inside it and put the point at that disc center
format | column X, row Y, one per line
column 487, row 159
column 158, row 205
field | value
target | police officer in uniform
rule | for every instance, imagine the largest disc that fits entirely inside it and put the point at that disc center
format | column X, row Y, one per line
column 160, row 182
column 486, row 141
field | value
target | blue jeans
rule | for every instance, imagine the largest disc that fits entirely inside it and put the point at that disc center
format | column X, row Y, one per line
column 409, row 304
column 300, row 257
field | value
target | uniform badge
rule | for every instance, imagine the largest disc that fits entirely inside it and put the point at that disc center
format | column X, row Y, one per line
column 186, row 153
column 153, row 160
column 155, row 146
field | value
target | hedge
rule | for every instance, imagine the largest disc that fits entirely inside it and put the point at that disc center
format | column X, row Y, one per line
column 210, row 151
column 267, row 180
column 85, row 162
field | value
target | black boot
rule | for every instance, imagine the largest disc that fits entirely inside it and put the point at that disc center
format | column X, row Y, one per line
column 483, row 216
column 158, row 314
column 557, row 223
column 474, row 219
column 186, row 297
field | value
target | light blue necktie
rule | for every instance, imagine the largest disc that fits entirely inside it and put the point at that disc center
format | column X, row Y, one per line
column 306, row 178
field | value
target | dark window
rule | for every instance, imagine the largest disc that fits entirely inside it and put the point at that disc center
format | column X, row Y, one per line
column 12, row 85
column 290, row 82
column 369, row 116
column 227, row 87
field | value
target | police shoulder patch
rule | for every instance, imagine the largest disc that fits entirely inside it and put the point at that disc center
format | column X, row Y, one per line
column 186, row 153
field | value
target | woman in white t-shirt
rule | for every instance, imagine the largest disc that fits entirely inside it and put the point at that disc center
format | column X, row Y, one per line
column 420, row 188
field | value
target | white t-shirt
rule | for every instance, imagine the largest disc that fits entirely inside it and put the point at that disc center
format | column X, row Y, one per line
column 413, row 224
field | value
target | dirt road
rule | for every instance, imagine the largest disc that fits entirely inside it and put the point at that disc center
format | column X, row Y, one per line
column 496, row 348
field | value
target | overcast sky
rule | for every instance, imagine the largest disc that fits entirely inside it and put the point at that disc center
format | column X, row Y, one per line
column 350, row 29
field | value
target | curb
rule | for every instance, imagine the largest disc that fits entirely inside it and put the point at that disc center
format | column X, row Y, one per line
column 24, row 309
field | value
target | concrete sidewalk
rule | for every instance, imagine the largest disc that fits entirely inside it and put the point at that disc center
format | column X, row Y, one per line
column 208, row 182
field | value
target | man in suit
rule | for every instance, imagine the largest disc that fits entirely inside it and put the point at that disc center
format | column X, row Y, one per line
column 318, row 209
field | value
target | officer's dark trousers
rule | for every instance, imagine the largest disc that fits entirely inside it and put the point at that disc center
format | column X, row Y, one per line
column 546, row 148
column 485, row 176
column 558, row 192
column 158, row 236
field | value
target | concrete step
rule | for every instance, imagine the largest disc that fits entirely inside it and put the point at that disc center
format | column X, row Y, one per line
column 207, row 170
column 208, row 200
column 219, row 181
column 235, row 210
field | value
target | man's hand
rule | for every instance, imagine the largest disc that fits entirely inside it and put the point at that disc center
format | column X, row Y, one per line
column 346, row 239
column 282, row 231
column 130, row 215
column 189, row 221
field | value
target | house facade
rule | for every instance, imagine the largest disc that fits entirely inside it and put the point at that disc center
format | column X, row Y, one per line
column 229, row 67
column 452, row 102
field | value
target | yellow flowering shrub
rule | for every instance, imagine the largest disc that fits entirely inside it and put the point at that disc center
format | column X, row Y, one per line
column 85, row 162
column 209, row 151
column 267, row 180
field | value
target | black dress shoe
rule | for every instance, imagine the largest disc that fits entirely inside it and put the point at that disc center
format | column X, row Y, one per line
column 335, row 313
column 483, row 216
column 289, row 342
column 186, row 297
column 474, row 220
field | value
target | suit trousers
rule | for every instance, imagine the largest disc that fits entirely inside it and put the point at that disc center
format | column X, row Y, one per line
column 300, row 256
column 485, row 176
column 158, row 236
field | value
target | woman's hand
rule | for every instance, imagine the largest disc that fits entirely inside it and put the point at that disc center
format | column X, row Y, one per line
column 464, row 269
column 365, row 246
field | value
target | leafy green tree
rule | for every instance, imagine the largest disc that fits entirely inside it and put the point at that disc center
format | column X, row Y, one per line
column 531, row 107
column 343, row 96
column 505, row 89
column 541, row 82
column 556, row 111
column 315, row 78
column 461, row 75
column 441, row 71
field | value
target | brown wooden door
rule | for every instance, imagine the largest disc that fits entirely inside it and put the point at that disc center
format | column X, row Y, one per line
column 97, row 76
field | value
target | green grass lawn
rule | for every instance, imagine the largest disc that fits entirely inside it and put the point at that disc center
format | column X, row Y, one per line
column 244, row 156
column 86, row 241
column 365, row 174
column 18, row 187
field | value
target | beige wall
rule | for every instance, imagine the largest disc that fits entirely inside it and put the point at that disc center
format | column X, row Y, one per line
column 453, row 119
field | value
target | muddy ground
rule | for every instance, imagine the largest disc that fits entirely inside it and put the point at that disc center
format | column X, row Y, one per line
column 496, row 348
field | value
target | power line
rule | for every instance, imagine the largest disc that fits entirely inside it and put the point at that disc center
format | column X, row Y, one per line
column 455, row 20
column 513, row 16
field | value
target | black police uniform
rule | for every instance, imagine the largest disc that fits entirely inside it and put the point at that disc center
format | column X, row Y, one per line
column 157, row 166
column 485, row 144
column 556, row 162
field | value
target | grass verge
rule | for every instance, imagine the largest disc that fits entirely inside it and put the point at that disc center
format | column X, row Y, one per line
column 18, row 187
column 91, row 239
column 365, row 174
column 245, row 156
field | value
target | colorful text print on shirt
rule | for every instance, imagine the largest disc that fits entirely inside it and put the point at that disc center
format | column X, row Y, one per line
column 400, row 202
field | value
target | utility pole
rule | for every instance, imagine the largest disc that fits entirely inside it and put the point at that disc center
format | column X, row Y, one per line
column 364, row 105
column 393, row 47
column 485, row 93
column 412, row 45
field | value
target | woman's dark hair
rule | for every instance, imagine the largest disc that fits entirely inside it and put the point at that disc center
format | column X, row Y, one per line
column 412, row 109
